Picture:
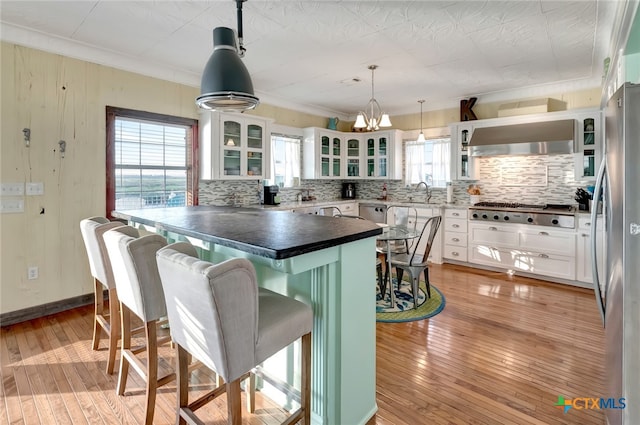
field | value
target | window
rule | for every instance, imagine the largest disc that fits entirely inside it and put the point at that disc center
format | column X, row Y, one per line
column 428, row 161
column 151, row 160
column 285, row 164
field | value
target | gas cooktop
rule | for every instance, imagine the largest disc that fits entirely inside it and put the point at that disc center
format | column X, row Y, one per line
column 555, row 215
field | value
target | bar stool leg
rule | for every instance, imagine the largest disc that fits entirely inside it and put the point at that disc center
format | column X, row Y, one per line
column 98, row 312
column 152, row 370
column 125, row 322
column 114, row 328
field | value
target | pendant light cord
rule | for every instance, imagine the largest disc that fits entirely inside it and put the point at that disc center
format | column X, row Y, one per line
column 241, row 48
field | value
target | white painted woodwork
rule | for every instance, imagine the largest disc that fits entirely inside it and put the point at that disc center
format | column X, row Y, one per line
column 455, row 234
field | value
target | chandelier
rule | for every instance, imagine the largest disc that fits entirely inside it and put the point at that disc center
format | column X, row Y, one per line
column 376, row 117
column 421, row 135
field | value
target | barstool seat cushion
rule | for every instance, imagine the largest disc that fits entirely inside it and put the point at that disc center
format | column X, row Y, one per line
column 282, row 321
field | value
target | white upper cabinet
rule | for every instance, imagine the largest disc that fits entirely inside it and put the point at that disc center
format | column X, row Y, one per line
column 329, row 154
column 588, row 145
column 463, row 163
column 233, row 146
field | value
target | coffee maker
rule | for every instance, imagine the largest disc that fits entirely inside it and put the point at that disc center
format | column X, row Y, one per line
column 348, row 191
column 271, row 195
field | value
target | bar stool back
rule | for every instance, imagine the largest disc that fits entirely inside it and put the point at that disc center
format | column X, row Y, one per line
column 92, row 230
column 220, row 316
column 133, row 260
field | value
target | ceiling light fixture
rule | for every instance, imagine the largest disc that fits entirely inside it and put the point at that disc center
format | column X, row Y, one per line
column 377, row 118
column 421, row 135
column 226, row 84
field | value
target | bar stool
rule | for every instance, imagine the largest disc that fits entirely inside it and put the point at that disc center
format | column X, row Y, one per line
column 133, row 260
column 220, row 316
column 92, row 230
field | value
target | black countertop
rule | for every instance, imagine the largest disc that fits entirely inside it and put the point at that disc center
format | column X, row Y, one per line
column 271, row 234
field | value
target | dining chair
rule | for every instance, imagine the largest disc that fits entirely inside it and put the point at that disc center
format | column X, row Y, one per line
column 399, row 215
column 133, row 259
column 415, row 262
column 219, row 316
column 92, row 230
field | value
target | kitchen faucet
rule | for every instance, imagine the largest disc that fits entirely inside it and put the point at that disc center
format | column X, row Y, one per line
column 427, row 190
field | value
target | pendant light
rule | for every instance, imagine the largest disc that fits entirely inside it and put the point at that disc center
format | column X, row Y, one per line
column 377, row 118
column 421, row 135
column 226, row 84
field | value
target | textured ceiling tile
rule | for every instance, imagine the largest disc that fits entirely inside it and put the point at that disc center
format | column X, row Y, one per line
column 47, row 16
column 473, row 16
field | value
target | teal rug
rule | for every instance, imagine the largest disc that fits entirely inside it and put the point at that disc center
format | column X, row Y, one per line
column 403, row 311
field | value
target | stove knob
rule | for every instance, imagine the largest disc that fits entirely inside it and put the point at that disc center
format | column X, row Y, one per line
column 506, row 217
column 496, row 217
column 530, row 220
column 554, row 221
column 484, row 216
column 475, row 215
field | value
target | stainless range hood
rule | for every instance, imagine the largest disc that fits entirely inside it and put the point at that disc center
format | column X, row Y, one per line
column 540, row 138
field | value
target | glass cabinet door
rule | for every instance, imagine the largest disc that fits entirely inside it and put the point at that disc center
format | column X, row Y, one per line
column 382, row 157
column 231, row 162
column 254, row 136
column 254, row 163
column 589, row 152
column 232, row 135
column 353, row 158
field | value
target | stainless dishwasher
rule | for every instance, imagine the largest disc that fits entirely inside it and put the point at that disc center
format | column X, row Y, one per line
column 373, row 212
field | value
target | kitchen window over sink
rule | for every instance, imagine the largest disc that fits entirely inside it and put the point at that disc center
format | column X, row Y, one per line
column 428, row 161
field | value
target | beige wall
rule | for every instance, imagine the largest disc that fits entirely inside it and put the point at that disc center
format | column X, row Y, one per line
column 60, row 98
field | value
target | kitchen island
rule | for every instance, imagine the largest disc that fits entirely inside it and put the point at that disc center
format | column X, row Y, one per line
column 325, row 261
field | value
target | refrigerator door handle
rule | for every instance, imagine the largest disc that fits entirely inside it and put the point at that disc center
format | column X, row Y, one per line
column 594, row 226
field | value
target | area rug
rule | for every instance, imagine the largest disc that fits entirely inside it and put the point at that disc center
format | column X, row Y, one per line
column 403, row 311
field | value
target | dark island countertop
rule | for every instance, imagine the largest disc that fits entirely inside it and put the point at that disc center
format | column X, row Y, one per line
column 271, row 234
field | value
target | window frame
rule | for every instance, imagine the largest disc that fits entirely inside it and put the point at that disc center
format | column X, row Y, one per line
column 299, row 141
column 431, row 135
column 193, row 162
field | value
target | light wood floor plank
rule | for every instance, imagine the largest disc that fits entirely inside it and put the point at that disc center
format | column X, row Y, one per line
column 501, row 352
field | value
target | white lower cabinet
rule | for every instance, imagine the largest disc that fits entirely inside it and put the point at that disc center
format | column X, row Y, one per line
column 584, row 272
column 454, row 229
column 530, row 249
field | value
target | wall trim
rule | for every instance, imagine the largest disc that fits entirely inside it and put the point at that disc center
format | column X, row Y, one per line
column 35, row 312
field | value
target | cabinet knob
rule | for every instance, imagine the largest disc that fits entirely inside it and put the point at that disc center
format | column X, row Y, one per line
column 455, row 226
column 543, row 234
column 493, row 228
column 587, row 224
column 543, row 256
column 455, row 254
column 585, row 235
column 455, row 239
column 455, row 214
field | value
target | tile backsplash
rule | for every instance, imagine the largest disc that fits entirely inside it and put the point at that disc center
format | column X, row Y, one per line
column 496, row 185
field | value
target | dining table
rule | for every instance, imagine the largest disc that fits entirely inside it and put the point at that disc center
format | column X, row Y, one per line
column 390, row 234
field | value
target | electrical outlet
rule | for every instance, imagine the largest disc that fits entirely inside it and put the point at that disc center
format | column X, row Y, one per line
column 32, row 272
column 11, row 205
column 12, row 189
column 35, row 188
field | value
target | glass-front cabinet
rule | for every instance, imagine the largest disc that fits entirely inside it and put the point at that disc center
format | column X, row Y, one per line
column 377, row 155
column 460, row 137
column 588, row 145
column 233, row 146
column 334, row 154
column 354, row 156
column 323, row 153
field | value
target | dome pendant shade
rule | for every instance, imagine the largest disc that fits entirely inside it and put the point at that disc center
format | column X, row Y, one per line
column 226, row 84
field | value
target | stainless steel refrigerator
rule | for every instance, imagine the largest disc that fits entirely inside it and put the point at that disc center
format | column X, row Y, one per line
column 618, row 294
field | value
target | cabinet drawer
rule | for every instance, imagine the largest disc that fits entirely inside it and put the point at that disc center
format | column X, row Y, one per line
column 549, row 243
column 584, row 222
column 546, row 265
column 455, row 225
column 347, row 208
column 493, row 235
column 451, row 213
column 453, row 238
column 455, row 252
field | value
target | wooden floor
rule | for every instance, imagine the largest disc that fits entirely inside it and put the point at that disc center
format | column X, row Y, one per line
column 501, row 352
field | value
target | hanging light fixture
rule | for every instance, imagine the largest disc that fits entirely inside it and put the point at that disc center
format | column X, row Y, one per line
column 421, row 135
column 376, row 117
column 226, row 84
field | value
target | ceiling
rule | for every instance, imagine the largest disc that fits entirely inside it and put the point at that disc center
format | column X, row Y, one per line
column 313, row 56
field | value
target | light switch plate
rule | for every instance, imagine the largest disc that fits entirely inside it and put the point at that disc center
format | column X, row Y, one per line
column 35, row 188
column 11, row 206
column 12, row 189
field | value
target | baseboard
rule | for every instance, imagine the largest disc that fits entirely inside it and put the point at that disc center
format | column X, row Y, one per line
column 13, row 317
